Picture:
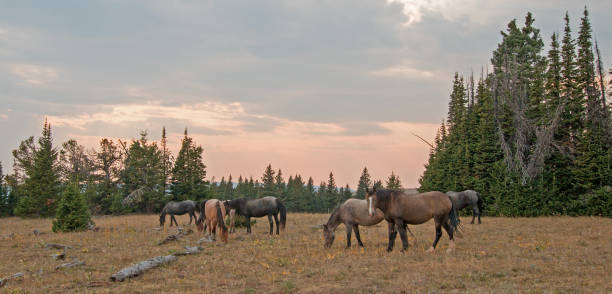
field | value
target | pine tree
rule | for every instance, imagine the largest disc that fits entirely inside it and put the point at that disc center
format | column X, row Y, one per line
column 107, row 162
column 72, row 212
column 347, row 193
column 393, row 182
column 378, row 185
column 331, row 196
column 4, row 208
column 365, row 182
column 571, row 122
column 143, row 172
column 166, row 162
column 310, row 196
column 42, row 186
column 189, row 172
column 280, row 185
column 267, row 179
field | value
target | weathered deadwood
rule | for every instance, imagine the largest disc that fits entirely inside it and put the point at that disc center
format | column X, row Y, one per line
column 13, row 276
column 60, row 256
column 189, row 250
column 176, row 236
column 205, row 239
column 57, row 246
column 139, row 268
column 75, row 262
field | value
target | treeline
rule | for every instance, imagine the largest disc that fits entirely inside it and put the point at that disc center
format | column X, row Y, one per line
column 141, row 176
column 534, row 136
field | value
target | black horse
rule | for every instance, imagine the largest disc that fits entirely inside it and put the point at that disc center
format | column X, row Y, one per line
column 467, row 198
column 261, row 207
column 178, row 208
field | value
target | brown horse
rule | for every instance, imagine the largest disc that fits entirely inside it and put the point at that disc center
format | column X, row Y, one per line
column 401, row 209
column 214, row 214
column 231, row 213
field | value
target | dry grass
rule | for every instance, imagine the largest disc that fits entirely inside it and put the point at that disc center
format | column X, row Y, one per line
column 503, row 255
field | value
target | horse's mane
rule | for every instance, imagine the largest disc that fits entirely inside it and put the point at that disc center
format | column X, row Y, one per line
column 385, row 194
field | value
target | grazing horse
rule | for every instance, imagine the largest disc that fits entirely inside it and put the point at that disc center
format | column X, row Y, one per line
column 213, row 214
column 268, row 205
column 351, row 213
column 467, row 198
column 401, row 209
column 231, row 213
column 178, row 208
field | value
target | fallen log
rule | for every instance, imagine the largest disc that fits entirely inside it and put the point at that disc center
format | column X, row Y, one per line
column 205, row 239
column 57, row 246
column 139, row 268
column 13, row 276
column 189, row 250
column 176, row 236
column 75, row 262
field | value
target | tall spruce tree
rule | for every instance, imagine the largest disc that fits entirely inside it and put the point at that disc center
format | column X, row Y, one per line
column 332, row 194
column 267, row 179
column 189, row 171
column 4, row 208
column 365, row 182
column 42, row 185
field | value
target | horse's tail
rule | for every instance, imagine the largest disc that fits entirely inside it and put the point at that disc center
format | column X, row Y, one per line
column 453, row 217
column 220, row 220
column 201, row 206
column 480, row 203
column 283, row 214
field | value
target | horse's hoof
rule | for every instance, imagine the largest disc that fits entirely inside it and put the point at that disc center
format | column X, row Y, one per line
column 389, row 249
column 430, row 250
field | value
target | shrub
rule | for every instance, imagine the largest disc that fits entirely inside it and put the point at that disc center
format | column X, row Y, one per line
column 72, row 213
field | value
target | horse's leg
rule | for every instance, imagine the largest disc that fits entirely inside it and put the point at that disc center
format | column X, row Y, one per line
column 438, row 234
column 392, row 235
column 479, row 213
column 401, row 227
column 213, row 225
column 449, row 231
column 276, row 222
column 356, row 229
column 248, row 220
column 271, row 224
column 349, row 229
column 474, row 212
column 191, row 212
column 173, row 219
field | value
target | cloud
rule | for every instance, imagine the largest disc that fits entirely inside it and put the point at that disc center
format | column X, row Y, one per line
column 3, row 116
column 33, row 74
column 403, row 71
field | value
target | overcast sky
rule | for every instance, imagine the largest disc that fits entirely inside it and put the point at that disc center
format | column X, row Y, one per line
column 308, row 86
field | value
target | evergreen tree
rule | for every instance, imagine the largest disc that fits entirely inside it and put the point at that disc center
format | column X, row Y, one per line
column 332, row 193
column 72, row 212
column 393, row 182
column 347, row 193
column 41, row 186
column 142, row 176
column 364, row 183
column 4, row 208
column 107, row 162
column 571, row 122
column 189, row 172
column 269, row 186
column 280, row 184
column 310, row 196
column 166, row 161
column 378, row 185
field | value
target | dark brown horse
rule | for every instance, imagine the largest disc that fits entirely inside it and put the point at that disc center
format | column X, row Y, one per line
column 401, row 209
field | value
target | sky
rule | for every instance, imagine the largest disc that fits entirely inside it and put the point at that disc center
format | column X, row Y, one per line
column 310, row 87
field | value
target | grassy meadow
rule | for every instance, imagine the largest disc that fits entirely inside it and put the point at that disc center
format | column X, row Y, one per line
column 503, row 255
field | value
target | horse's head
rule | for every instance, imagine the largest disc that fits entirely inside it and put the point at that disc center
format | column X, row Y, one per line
column 328, row 235
column 224, row 235
column 371, row 199
column 200, row 224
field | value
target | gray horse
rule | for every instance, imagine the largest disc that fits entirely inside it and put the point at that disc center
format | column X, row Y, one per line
column 351, row 213
column 266, row 206
column 467, row 198
column 178, row 208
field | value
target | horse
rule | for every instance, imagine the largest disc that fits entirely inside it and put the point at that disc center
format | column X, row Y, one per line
column 213, row 214
column 178, row 208
column 268, row 205
column 351, row 213
column 401, row 209
column 231, row 213
column 467, row 198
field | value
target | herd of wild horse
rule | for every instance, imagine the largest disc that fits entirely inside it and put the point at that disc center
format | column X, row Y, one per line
column 398, row 208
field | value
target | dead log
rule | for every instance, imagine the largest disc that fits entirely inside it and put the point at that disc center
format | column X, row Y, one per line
column 60, row 256
column 176, row 236
column 13, row 276
column 75, row 262
column 57, row 246
column 205, row 239
column 139, row 268
column 189, row 250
